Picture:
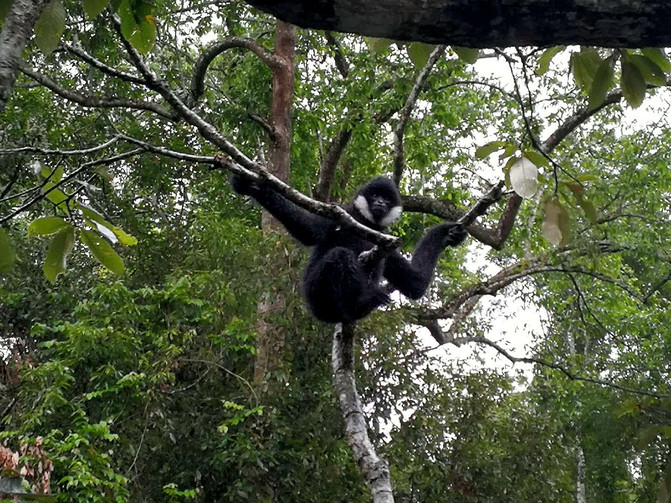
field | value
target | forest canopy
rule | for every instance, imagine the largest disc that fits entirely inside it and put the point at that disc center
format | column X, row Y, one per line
column 154, row 342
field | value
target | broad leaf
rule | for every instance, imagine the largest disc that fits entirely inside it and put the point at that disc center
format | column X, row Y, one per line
column 658, row 57
column 96, row 220
column 377, row 45
column 46, row 225
column 50, row 26
column 546, row 58
column 578, row 192
column 54, row 175
column 103, row 251
column 633, row 84
column 138, row 26
column 419, row 53
column 56, row 196
column 57, row 254
column 652, row 73
column 124, row 237
column 488, row 149
column 585, row 65
column 556, row 223
column 7, row 255
column 467, row 54
column 95, row 7
column 537, row 158
column 524, row 177
column 602, row 82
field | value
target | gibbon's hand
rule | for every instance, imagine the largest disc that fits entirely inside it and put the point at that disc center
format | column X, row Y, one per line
column 456, row 235
column 243, row 185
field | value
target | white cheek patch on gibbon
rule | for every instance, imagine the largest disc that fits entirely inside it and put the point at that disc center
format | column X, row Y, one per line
column 361, row 204
column 392, row 217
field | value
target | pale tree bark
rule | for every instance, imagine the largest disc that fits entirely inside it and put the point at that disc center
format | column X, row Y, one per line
column 16, row 31
column 495, row 23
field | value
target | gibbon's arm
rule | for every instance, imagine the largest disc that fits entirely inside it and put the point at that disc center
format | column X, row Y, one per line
column 306, row 227
column 412, row 278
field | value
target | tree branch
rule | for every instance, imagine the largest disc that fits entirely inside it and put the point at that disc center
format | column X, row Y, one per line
column 374, row 469
column 78, row 51
column 91, row 101
column 399, row 151
column 198, row 80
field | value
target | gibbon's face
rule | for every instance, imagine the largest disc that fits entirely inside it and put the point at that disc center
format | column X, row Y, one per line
column 379, row 202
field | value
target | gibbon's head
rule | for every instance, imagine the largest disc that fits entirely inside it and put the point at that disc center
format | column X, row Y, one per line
column 379, row 202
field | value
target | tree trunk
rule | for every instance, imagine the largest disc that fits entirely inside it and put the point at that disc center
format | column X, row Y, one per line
column 270, row 337
column 16, row 31
column 491, row 23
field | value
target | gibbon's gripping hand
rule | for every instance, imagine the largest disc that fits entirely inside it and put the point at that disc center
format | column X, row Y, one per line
column 244, row 186
column 456, row 234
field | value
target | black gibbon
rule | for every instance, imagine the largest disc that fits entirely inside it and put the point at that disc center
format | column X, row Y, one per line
column 337, row 286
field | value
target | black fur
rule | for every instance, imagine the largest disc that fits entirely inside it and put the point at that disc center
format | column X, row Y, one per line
column 336, row 285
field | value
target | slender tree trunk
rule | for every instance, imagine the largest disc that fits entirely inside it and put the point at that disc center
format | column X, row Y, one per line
column 16, row 31
column 270, row 337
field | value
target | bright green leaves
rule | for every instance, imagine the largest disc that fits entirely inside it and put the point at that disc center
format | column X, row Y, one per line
column 7, row 255
column 138, row 25
column 633, row 84
column 50, row 26
column 103, row 251
column 45, row 226
column 489, row 148
column 595, row 75
column 546, row 58
column 59, row 249
column 601, row 83
column 377, row 45
column 585, row 65
column 467, row 54
column 95, row 7
column 419, row 53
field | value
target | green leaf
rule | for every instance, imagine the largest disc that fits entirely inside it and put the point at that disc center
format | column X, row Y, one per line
column 467, row 54
column 536, row 157
column 95, row 7
column 138, row 26
column 115, row 5
column 45, row 226
column 419, row 53
column 377, row 45
column 488, row 149
column 578, row 192
column 633, row 84
column 5, row 5
column 56, row 196
column 103, row 251
column 585, row 65
column 124, row 237
column 50, row 26
column 546, row 58
column 652, row 73
column 7, row 255
column 658, row 57
column 510, row 149
column 602, row 82
column 57, row 175
column 57, row 254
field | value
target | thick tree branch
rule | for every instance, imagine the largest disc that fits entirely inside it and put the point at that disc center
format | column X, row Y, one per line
column 207, row 130
column 340, row 61
column 406, row 111
column 91, row 101
column 374, row 469
column 16, row 30
column 634, row 23
column 198, row 80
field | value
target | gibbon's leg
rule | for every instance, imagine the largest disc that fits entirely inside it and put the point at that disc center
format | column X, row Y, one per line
column 338, row 289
